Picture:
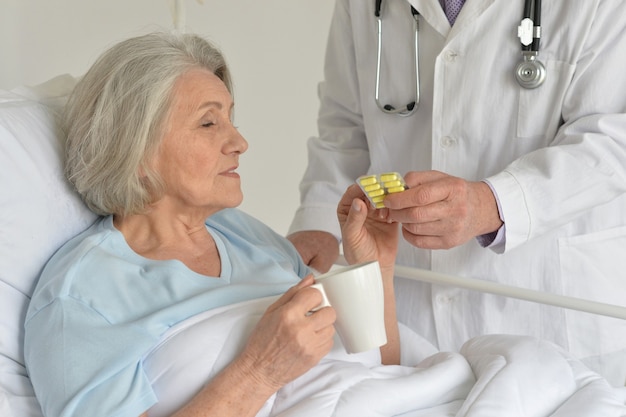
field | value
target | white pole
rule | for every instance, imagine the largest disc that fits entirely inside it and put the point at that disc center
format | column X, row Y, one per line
column 177, row 9
column 572, row 303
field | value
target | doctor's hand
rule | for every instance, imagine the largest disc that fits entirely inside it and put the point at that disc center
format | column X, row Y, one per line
column 318, row 249
column 440, row 211
column 365, row 235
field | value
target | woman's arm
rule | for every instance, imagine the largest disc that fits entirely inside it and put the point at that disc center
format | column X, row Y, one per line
column 285, row 344
column 367, row 236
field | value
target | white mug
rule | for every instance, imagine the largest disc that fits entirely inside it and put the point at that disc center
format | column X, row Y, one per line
column 356, row 294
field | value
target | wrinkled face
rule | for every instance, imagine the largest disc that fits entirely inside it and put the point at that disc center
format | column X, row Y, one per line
column 199, row 155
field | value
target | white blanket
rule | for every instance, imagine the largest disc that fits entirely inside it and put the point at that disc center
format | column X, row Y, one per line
column 495, row 375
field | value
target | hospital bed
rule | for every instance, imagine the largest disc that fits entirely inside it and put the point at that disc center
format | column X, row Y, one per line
column 492, row 375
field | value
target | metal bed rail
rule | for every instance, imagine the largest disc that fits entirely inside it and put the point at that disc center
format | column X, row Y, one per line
column 496, row 288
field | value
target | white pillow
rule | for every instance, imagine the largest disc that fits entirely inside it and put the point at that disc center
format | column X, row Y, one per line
column 38, row 212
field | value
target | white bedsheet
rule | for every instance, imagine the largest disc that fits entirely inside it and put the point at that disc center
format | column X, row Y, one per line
column 496, row 375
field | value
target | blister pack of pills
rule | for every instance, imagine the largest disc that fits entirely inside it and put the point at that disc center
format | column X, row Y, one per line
column 377, row 186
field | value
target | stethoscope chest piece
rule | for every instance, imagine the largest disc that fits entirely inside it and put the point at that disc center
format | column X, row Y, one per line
column 530, row 73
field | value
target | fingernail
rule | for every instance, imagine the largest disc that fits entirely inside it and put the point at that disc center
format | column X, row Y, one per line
column 356, row 206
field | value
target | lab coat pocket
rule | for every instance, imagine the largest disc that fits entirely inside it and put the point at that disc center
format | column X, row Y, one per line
column 593, row 267
column 539, row 113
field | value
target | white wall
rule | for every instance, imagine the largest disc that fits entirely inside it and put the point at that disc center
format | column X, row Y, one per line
column 275, row 49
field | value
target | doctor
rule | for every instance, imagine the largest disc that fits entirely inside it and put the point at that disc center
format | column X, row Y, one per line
column 520, row 184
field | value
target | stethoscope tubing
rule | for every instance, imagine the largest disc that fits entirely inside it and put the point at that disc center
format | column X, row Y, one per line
column 412, row 106
column 530, row 72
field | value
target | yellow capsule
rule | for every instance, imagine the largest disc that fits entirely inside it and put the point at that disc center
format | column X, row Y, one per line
column 372, row 187
column 368, row 180
column 389, row 176
column 395, row 189
column 376, row 187
column 392, row 184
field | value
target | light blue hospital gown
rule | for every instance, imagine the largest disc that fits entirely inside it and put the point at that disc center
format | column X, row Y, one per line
column 99, row 307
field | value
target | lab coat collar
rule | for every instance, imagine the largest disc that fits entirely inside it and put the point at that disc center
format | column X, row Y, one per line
column 432, row 11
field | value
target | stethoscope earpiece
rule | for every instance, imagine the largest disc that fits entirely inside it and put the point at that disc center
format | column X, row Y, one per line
column 530, row 73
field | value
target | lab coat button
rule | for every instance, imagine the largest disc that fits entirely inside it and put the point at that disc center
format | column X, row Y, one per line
column 442, row 299
column 450, row 56
column 447, row 142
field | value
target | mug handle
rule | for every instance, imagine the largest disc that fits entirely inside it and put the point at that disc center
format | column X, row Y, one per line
column 325, row 302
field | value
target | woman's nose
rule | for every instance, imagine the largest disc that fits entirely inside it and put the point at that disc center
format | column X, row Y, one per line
column 237, row 142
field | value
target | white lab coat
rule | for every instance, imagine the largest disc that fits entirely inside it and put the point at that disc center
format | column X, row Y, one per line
column 556, row 156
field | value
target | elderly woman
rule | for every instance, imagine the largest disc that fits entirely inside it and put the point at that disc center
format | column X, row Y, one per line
column 152, row 148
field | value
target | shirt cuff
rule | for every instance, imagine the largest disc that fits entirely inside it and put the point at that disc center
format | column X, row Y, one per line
column 495, row 240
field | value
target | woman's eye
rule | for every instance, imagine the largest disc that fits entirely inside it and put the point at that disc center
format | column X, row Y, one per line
column 207, row 124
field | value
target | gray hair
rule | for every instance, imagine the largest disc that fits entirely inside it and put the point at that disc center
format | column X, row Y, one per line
column 116, row 116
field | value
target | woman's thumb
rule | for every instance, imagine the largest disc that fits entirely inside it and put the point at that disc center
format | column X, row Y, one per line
column 355, row 220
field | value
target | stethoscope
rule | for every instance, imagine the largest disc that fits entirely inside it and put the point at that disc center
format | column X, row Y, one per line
column 412, row 106
column 529, row 73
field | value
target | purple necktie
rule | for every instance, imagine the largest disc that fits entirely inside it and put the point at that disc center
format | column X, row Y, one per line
column 453, row 7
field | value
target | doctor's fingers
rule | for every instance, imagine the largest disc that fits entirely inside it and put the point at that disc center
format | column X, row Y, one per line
column 417, row 178
column 440, row 187
column 443, row 218
column 432, row 236
column 451, row 212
